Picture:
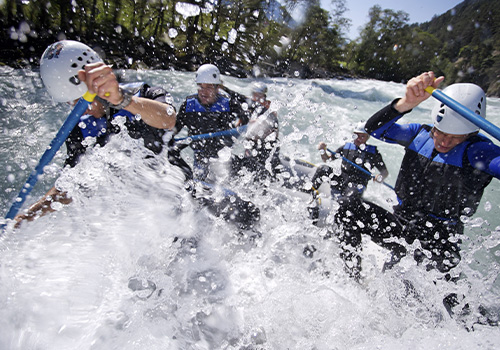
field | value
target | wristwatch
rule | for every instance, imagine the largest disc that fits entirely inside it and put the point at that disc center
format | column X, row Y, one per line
column 127, row 98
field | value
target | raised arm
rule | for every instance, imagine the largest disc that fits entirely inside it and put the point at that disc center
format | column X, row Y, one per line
column 100, row 79
column 382, row 125
column 415, row 91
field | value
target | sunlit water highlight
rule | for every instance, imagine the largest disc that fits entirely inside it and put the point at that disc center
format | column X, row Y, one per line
column 106, row 272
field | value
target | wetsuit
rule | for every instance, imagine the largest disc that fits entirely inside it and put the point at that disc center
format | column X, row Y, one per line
column 199, row 119
column 347, row 188
column 262, row 154
column 102, row 128
column 352, row 180
column 434, row 189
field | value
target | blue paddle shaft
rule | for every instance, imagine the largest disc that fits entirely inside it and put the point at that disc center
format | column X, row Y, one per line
column 477, row 120
column 61, row 136
column 231, row 132
column 358, row 167
column 352, row 163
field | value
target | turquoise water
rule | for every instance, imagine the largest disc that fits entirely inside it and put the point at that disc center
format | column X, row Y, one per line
column 64, row 278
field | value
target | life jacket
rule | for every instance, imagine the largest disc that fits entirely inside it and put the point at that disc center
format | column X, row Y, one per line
column 194, row 105
column 369, row 149
column 442, row 185
column 92, row 126
column 200, row 119
column 360, row 157
column 255, row 108
column 96, row 127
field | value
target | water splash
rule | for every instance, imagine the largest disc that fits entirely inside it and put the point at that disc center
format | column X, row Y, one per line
column 134, row 262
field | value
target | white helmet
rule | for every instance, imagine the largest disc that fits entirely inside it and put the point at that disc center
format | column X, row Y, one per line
column 208, row 74
column 59, row 68
column 450, row 122
column 259, row 88
column 360, row 128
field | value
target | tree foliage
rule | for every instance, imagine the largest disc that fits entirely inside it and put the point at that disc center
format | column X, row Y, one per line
column 245, row 37
column 471, row 36
column 461, row 44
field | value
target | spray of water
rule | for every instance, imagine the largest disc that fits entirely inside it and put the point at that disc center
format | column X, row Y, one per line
column 135, row 262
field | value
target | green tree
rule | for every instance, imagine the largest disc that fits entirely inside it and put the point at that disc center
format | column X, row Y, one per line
column 378, row 39
column 315, row 42
column 469, row 36
column 337, row 16
column 413, row 53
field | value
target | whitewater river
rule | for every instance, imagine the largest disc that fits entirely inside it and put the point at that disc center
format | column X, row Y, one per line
column 135, row 263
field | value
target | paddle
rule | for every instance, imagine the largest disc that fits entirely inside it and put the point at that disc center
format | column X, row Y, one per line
column 358, row 167
column 61, row 136
column 231, row 132
column 477, row 120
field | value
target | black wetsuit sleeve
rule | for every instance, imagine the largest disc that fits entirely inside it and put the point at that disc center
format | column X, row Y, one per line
column 156, row 93
column 379, row 162
column 339, row 152
column 382, row 117
column 238, row 112
column 179, row 122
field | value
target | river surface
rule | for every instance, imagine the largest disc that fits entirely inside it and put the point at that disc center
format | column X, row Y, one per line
column 133, row 262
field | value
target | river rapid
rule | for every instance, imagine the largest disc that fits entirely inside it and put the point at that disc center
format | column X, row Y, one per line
column 133, row 262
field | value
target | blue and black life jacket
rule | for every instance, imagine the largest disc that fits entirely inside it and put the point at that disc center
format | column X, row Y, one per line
column 102, row 128
column 361, row 157
column 194, row 105
column 200, row 119
column 442, row 185
column 96, row 127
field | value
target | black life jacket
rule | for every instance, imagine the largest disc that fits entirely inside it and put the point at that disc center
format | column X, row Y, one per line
column 442, row 185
